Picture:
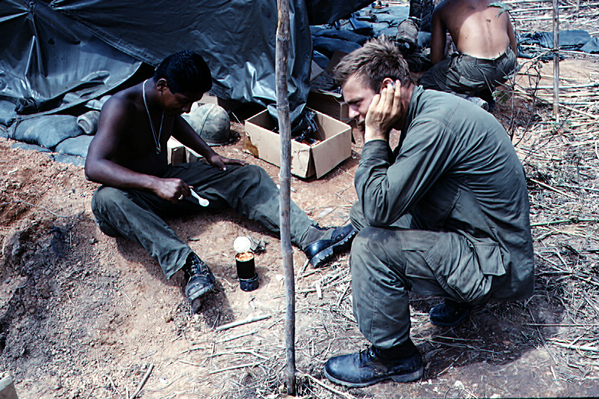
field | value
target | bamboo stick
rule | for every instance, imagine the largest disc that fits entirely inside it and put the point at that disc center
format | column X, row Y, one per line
column 556, row 60
column 241, row 322
column 282, row 56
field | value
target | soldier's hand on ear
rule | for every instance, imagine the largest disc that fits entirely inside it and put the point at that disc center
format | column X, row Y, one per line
column 384, row 112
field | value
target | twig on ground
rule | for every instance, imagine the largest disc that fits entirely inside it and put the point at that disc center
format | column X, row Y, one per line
column 197, row 348
column 113, row 385
column 148, row 355
column 190, row 363
column 343, row 294
column 143, row 381
column 561, row 325
column 448, row 367
column 303, row 269
column 563, row 221
column 36, row 206
column 575, row 347
column 234, row 367
column 335, row 391
column 220, row 341
column 318, row 289
column 238, row 352
column 548, row 187
column 241, row 322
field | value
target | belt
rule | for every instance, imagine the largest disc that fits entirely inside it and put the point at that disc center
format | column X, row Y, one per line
column 484, row 60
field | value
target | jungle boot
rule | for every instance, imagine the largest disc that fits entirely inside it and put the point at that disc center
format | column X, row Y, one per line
column 200, row 281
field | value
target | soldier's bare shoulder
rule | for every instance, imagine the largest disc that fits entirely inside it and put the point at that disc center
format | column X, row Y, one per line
column 124, row 102
column 126, row 96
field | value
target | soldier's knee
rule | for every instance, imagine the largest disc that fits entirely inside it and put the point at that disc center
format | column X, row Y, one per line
column 357, row 217
column 363, row 244
column 102, row 201
column 374, row 245
column 106, row 228
column 104, row 197
column 252, row 173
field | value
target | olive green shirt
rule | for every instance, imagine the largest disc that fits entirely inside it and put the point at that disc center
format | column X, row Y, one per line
column 454, row 170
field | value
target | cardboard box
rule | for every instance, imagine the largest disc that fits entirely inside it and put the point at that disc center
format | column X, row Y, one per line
column 332, row 104
column 306, row 160
column 208, row 98
column 329, row 103
column 315, row 71
column 176, row 152
column 228, row 105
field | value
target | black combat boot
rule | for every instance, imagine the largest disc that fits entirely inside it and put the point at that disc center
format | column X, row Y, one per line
column 450, row 313
column 327, row 242
column 200, row 280
column 400, row 364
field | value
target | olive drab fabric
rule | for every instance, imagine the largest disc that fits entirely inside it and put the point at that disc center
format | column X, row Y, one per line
column 445, row 214
column 137, row 215
column 462, row 73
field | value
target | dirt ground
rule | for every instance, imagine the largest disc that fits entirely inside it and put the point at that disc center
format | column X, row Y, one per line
column 83, row 315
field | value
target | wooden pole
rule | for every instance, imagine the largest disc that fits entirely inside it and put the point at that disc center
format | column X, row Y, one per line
column 556, row 60
column 282, row 56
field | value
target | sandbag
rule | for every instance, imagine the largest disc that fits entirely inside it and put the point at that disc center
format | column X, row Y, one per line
column 72, row 159
column 97, row 104
column 75, row 146
column 88, row 122
column 47, row 130
column 30, row 147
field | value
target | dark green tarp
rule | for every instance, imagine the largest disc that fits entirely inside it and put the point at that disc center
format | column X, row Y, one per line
column 57, row 54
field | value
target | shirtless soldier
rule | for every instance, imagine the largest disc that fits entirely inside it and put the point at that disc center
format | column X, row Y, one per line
column 128, row 156
column 486, row 45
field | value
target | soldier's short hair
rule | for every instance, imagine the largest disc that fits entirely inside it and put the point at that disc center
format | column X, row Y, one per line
column 185, row 72
column 372, row 63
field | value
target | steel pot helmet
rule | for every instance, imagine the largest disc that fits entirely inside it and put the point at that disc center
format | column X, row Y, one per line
column 211, row 122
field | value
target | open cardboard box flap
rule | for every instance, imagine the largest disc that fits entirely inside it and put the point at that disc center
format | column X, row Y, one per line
column 306, row 160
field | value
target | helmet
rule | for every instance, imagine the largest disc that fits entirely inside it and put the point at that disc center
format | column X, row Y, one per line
column 211, row 122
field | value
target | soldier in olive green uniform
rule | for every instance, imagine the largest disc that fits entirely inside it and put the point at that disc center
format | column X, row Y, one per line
column 446, row 213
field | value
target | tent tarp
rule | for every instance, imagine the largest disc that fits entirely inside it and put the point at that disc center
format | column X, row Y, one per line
column 48, row 62
column 56, row 54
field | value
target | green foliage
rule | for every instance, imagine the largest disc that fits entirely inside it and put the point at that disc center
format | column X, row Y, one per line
column 500, row 97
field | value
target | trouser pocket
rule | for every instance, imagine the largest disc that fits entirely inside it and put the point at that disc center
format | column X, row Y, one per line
column 464, row 268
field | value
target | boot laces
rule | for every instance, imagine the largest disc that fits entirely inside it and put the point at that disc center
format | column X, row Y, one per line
column 197, row 266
